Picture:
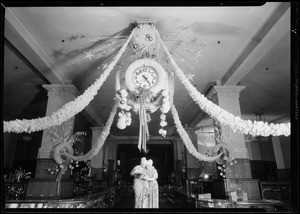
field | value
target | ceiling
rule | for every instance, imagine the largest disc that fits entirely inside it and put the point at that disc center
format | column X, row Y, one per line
column 247, row 46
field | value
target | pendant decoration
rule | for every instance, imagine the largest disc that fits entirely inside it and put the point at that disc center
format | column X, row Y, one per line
column 144, row 87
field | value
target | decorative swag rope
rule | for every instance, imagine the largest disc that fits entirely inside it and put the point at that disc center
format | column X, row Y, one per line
column 100, row 140
column 225, row 118
column 187, row 141
column 70, row 109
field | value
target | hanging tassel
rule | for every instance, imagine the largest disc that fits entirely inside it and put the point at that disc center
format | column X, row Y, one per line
column 144, row 131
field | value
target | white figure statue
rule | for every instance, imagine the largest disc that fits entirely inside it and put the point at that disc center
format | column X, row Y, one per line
column 145, row 185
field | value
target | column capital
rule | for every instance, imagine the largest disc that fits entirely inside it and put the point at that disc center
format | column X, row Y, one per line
column 60, row 89
column 228, row 89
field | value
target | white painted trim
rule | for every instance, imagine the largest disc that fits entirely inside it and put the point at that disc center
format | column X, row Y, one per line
column 276, row 33
column 25, row 34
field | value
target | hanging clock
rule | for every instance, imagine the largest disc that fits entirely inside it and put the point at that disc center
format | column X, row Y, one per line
column 145, row 74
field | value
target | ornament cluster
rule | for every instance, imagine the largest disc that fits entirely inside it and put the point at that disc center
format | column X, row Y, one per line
column 224, row 168
column 144, row 42
column 124, row 119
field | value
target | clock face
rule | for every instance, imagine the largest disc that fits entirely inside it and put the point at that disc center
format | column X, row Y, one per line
column 145, row 77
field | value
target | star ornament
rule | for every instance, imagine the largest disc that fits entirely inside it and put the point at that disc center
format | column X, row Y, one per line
column 190, row 76
column 105, row 65
column 198, row 54
column 89, row 55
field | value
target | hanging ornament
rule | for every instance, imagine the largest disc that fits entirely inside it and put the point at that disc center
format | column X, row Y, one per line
column 135, row 46
column 122, row 95
column 121, row 122
column 147, row 54
column 162, row 123
column 148, row 118
column 163, row 117
column 162, row 132
column 128, row 119
column 153, row 55
column 166, row 105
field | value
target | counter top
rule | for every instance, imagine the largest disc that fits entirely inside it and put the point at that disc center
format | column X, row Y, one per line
column 268, row 205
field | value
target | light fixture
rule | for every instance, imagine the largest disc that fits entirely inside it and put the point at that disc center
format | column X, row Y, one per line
column 204, row 175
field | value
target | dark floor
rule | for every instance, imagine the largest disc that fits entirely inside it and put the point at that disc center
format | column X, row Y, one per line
column 128, row 202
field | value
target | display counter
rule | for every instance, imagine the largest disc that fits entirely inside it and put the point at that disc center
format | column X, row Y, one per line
column 104, row 199
column 181, row 199
column 267, row 205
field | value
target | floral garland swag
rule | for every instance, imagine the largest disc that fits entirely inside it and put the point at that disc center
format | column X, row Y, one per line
column 164, row 100
column 69, row 109
column 255, row 128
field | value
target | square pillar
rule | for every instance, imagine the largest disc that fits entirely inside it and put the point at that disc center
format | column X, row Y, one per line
column 193, row 164
column 97, row 160
column 44, row 184
column 58, row 95
column 283, row 167
column 228, row 99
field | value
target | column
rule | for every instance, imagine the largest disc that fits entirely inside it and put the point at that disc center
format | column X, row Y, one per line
column 228, row 99
column 205, row 139
column 44, row 184
column 193, row 164
column 97, row 160
column 179, row 157
column 58, row 95
column 282, row 169
column 112, row 159
column 10, row 141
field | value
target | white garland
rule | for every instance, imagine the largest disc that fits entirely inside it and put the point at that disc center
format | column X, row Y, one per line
column 69, row 109
column 101, row 139
column 187, row 141
column 256, row 128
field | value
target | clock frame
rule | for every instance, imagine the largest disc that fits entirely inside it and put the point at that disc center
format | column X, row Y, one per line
column 146, row 74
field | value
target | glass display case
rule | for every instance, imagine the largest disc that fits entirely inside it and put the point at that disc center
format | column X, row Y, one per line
column 263, row 205
column 276, row 190
column 214, row 187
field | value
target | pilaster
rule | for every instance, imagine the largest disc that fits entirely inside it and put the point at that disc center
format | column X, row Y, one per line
column 58, row 95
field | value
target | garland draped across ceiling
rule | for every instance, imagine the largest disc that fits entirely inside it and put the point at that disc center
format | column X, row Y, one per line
column 148, row 52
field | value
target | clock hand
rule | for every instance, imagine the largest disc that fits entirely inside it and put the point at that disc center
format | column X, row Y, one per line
column 146, row 79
